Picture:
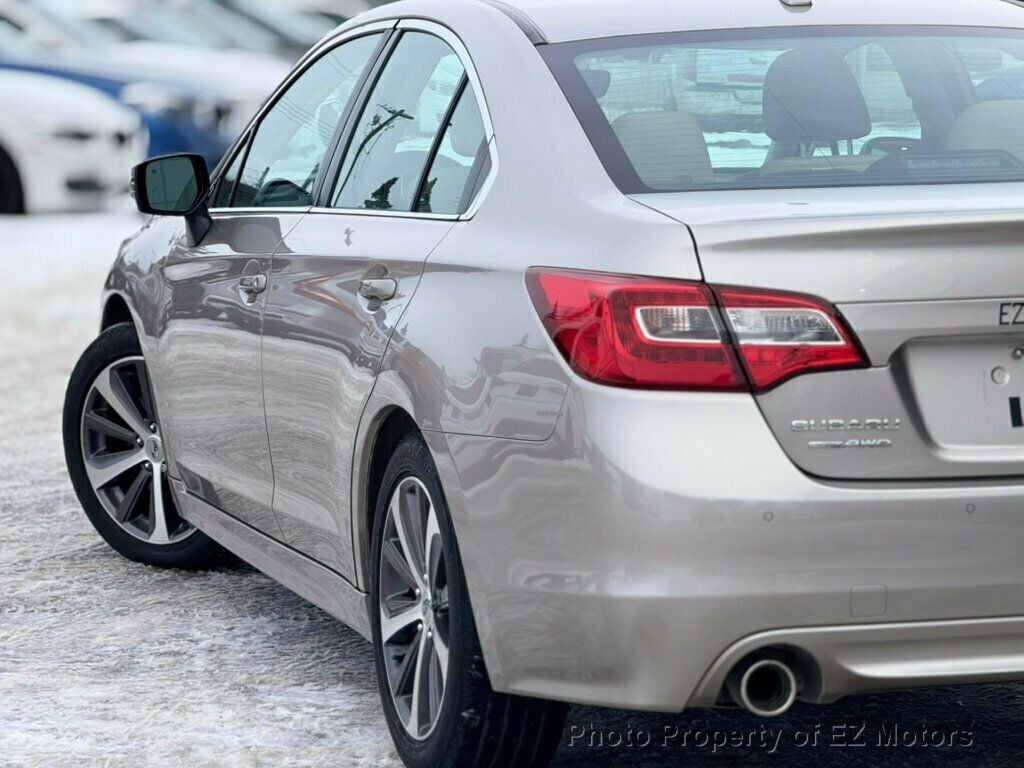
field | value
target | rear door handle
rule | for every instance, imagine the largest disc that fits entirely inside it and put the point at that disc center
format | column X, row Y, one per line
column 383, row 289
column 253, row 284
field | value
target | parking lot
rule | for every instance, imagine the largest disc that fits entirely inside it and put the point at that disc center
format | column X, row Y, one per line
column 108, row 663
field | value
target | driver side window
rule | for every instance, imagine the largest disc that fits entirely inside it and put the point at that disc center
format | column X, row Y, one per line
column 396, row 133
column 294, row 137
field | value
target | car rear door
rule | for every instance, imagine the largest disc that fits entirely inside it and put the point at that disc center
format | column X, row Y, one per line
column 218, row 291
column 345, row 274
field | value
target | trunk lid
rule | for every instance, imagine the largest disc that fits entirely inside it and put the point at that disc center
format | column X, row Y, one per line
column 930, row 280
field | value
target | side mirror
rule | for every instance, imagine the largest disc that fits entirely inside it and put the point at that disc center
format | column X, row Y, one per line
column 175, row 185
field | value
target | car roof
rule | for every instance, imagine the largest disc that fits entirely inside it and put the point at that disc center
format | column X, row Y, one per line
column 563, row 20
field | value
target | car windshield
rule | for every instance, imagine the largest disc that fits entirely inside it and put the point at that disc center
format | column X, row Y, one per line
column 809, row 107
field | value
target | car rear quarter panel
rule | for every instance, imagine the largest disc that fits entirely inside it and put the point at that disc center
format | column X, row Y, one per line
column 471, row 346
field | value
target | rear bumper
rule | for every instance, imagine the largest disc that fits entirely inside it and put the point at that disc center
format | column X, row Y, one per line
column 631, row 559
column 866, row 657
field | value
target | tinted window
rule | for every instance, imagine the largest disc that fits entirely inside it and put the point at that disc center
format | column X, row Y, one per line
column 394, row 136
column 803, row 108
column 294, row 137
column 449, row 183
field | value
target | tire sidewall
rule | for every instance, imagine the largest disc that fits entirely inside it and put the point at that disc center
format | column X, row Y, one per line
column 116, row 343
column 412, row 459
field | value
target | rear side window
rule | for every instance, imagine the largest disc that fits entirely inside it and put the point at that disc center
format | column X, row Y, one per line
column 449, row 184
column 835, row 106
column 394, row 137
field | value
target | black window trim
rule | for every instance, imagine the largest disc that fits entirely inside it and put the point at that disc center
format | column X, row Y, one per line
column 435, row 148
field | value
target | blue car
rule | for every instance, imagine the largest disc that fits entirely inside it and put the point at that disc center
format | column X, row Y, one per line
column 178, row 117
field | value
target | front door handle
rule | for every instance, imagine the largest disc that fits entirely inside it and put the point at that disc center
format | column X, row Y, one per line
column 383, row 289
column 253, row 285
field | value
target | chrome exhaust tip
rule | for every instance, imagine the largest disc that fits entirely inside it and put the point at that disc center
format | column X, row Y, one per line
column 765, row 686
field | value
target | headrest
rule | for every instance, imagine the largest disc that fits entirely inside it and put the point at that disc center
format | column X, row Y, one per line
column 467, row 127
column 990, row 125
column 598, row 81
column 810, row 97
column 667, row 149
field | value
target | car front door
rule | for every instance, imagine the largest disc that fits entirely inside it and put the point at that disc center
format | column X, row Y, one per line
column 217, row 291
column 344, row 275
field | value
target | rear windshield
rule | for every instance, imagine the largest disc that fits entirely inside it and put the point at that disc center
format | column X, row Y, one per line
column 801, row 107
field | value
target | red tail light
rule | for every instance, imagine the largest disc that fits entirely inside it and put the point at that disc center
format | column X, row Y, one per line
column 663, row 334
column 780, row 335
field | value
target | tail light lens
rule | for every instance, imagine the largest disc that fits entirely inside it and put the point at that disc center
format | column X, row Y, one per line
column 636, row 332
column 661, row 334
column 781, row 335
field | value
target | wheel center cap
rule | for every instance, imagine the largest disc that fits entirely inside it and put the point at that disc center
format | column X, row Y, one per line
column 154, row 449
column 427, row 610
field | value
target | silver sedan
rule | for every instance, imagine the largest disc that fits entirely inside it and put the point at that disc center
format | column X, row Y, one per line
column 595, row 352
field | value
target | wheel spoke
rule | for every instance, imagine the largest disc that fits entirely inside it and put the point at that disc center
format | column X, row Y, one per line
column 100, row 424
column 392, row 625
column 147, row 398
column 420, row 701
column 405, row 678
column 113, row 390
column 432, row 547
column 130, row 502
column 157, row 512
column 441, row 654
column 407, row 535
column 396, row 559
column 104, row 469
column 435, row 679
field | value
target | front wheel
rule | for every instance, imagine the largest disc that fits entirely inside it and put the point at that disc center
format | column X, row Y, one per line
column 115, row 455
column 439, row 705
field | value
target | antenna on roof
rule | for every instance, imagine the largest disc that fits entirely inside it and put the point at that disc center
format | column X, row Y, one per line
column 797, row 3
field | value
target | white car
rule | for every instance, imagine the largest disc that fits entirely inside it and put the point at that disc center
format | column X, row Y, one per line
column 63, row 146
column 242, row 79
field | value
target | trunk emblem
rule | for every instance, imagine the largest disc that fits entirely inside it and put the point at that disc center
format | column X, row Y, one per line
column 855, row 443
column 846, row 425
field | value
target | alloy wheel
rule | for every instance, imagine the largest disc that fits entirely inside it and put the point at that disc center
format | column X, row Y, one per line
column 414, row 608
column 124, row 454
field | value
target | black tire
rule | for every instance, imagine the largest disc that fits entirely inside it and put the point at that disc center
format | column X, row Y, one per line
column 195, row 550
column 475, row 726
column 12, row 195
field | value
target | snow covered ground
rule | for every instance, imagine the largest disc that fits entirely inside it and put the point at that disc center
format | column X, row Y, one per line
column 108, row 663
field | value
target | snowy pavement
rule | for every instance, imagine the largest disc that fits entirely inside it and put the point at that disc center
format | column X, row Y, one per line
column 107, row 663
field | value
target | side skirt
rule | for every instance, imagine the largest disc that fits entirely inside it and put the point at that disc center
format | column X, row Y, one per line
column 307, row 578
